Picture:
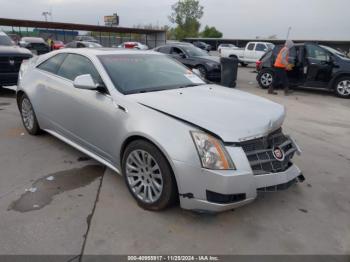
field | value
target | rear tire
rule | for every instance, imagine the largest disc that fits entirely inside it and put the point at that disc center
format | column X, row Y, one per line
column 243, row 64
column 29, row 119
column 265, row 78
column 148, row 176
column 342, row 87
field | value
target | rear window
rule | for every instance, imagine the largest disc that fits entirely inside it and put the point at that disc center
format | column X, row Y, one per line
column 164, row 49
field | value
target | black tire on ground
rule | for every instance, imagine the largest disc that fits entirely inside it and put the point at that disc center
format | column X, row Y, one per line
column 341, row 88
column 265, row 78
column 35, row 129
column 243, row 64
column 169, row 193
column 202, row 70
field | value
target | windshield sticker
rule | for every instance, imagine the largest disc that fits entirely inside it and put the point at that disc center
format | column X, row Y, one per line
column 194, row 78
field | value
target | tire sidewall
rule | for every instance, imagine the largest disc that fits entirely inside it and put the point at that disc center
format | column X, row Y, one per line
column 336, row 85
column 261, row 73
column 169, row 191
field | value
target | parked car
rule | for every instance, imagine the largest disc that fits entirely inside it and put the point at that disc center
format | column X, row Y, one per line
column 316, row 66
column 202, row 45
column 14, row 37
column 133, row 45
column 168, row 133
column 11, row 57
column 224, row 46
column 252, row 52
column 82, row 44
column 86, row 38
column 194, row 57
column 37, row 45
column 57, row 44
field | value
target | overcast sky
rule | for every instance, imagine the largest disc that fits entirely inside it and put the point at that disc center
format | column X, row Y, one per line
column 310, row 19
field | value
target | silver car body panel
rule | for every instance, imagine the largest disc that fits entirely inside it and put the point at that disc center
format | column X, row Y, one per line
column 99, row 125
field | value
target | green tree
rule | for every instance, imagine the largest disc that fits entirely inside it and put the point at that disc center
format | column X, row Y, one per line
column 186, row 14
column 211, row 32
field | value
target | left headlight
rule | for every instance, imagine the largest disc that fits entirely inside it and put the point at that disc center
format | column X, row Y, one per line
column 212, row 152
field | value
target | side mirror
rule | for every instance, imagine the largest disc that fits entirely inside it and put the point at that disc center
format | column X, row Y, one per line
column 85, row 82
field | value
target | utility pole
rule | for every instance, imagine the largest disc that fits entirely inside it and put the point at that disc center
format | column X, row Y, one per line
column 288, row 32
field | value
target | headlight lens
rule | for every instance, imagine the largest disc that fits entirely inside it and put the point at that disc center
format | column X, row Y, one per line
column 212, row 152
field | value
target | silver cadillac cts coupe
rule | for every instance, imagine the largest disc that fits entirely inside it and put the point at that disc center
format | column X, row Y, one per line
column 169, row 133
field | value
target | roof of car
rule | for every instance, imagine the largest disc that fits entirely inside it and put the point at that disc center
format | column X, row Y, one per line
column 33, row 39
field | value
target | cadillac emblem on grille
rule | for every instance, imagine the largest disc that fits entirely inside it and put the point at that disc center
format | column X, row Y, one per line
column 278, row 154
column 11, row 62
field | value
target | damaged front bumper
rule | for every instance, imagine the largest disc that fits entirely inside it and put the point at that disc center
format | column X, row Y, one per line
column 219, row 190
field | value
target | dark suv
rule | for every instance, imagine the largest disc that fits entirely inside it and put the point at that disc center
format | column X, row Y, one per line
column 194, row 57
column 11, row 57
column 316, row 66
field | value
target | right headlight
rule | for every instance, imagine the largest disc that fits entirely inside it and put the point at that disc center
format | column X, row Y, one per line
column 212, row 152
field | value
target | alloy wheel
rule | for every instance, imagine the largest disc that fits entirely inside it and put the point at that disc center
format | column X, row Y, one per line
column 144, row 176
column 266, row 79
column 343, row 87
column 27, row 114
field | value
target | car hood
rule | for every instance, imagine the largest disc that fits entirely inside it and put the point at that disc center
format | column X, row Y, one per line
column 209, row 58
column 232, row 115
column 14, row 50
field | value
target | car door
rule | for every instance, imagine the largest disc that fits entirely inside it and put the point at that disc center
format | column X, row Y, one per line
column 85, row 117
column 249, row 53
column 260, row 50
column 318, row 68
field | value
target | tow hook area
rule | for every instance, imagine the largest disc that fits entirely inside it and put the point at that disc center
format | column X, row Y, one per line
column 301, row 178
column 187, row 195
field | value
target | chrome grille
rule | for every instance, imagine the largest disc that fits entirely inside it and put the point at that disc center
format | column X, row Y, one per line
column 260, row 153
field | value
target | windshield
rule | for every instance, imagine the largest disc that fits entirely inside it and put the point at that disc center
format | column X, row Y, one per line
column 5, row 40
column 334, row 51
column 194, row 51
column 138, row 73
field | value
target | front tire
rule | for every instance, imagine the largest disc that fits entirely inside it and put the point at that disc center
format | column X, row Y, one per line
column 28, row 116
column 243, row 64
column 342, row 87
column 148, row 176
column 202, row 70
column 265, row 78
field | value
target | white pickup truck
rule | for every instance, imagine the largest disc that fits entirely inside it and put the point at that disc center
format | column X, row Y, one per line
column 252, row 52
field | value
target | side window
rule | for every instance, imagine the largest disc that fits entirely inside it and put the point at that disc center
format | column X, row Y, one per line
column 52, row 64
column 316, row 52
column 260, row 47
column 76, row 65
column 164, row 49
column 251, row 47
column 176, row 51
column 80, row 45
